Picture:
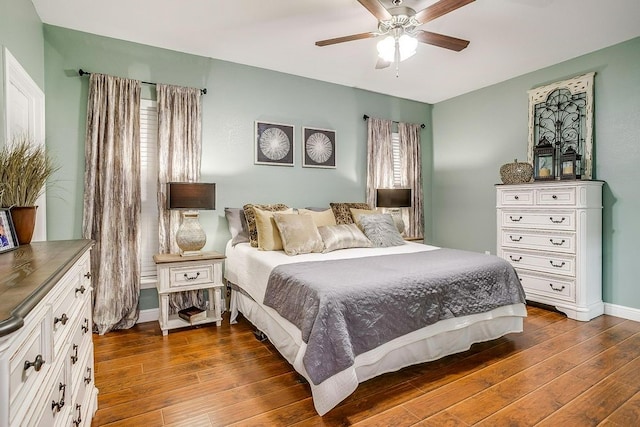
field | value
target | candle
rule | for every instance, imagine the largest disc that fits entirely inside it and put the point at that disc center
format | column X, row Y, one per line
column 545, row 172
column 567, row 169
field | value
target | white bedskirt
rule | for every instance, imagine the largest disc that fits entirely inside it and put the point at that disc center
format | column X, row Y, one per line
column 432, row 342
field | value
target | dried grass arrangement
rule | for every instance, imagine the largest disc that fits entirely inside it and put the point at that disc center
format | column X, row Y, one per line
column 25, row 168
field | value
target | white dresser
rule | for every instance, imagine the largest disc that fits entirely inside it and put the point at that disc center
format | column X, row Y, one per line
column 46, row 348
column 551, row 232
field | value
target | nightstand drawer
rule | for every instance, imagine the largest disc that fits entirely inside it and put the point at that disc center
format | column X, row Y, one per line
column 549, row 263
column 191, row 275
column 556, row 197
column 557, row 242
column 557, row 220
column 522, row 197
column 557, row 288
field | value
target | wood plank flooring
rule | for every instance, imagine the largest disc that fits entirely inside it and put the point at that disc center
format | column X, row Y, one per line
column 558, row 372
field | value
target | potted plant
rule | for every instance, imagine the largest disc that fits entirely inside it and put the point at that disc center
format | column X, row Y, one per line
column 25, row 168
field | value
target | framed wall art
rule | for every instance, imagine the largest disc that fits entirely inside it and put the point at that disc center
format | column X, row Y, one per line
column 318, row 148
column 562, row 114
column 8, row 238
column 273, row 144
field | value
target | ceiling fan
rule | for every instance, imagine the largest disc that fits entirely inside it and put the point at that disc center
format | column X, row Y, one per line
column 399, row 24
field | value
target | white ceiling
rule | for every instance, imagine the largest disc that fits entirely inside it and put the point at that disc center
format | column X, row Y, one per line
column 508, row 37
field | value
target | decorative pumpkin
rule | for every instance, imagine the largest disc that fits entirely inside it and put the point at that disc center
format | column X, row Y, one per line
column 516, row 172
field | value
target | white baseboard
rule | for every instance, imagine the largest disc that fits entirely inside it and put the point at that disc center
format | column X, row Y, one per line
column 621, row 311
column 149, row 315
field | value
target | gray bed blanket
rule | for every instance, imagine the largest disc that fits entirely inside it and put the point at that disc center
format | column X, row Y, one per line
column 347, row 307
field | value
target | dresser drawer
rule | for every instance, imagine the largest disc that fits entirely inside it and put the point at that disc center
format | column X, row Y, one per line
column 557, row 242
column 54, row 408
column 552, row 287
column 65, row 311
column 191, row 275
column 556, row 197
column 547, row 262
column 522, row 197
column 549, row 220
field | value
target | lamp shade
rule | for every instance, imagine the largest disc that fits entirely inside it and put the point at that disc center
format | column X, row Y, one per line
column 191, row 195
column 393, row 197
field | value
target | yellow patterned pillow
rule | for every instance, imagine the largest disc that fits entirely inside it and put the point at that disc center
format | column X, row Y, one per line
column 250, row 215
column 268, row 234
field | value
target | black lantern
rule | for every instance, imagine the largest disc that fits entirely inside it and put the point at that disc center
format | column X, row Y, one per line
column 544, row 161
column 570, row 164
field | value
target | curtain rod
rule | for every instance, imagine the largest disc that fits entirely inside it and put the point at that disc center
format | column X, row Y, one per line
column 365, row 117
column 82, row 72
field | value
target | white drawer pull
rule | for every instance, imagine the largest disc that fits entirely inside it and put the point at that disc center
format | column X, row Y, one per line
column 556, row 244
column 556, row 221
column 186, row 276
column 557, row 265
column 515, row 259
column 515, row 240
column 560, row 289
column 514, row 219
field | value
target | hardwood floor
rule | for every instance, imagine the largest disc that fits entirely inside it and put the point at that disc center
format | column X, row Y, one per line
column 558, row 372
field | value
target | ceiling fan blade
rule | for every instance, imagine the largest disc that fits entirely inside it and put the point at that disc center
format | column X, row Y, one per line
column 381, row 63
column 441, row 40
column 346, row 39
column 376, row 8
column 440, row 8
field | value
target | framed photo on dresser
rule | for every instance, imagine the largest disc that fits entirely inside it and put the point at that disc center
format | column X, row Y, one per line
column 8, row 238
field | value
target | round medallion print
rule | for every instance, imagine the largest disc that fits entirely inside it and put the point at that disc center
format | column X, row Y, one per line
column 274, row 143
column 319, row 147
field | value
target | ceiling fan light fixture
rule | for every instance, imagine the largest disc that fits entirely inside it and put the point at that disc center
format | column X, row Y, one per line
column 406, row 45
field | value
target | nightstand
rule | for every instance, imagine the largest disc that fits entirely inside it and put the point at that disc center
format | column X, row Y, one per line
column 414, row 239
column 189, row 273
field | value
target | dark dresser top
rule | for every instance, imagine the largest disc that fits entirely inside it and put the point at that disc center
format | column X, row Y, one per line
column 28, row 273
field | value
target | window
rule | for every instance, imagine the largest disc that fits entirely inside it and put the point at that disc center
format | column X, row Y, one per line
column 149, row 192
column 397, row 164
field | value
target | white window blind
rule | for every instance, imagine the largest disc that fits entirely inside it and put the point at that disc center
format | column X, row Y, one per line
column 397, row 165
column 149, row 187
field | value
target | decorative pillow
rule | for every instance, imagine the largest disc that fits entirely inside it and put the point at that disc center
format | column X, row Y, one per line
column 342, row 236
column 299, row 233
column 342, row 213
column 381, row 230
column 268, row 234
column 355, row 213
column 321, row 218
column 237, row 225
column 250, row 215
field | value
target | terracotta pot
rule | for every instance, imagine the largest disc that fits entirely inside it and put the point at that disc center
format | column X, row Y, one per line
column 24, row 221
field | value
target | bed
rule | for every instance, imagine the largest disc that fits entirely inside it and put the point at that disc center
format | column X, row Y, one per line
column 343, row 317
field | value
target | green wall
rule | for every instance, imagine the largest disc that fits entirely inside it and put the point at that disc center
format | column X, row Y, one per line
column 474, row 134
column 21, row 33
column 237, row 96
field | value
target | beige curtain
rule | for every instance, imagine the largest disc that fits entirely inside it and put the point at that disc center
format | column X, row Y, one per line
column 179, row 156
column 411, row 161
column 379, row 157
column 112, row 199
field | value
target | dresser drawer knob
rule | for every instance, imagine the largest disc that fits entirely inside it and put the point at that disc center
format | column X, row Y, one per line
column 37, row 363
column 81, row 289
column 516, row 197
column 186, row 276
column 554, row 197
column 556, row 221
column 557, row 243
column 557, row 265
column 515, row 219
column 560, row 289
column 515, row 259
column 515, row 240
column 62, row 319
column 87, row 275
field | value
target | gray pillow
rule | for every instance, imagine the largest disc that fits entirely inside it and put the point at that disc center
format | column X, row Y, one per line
column 237, row 225
column 381, row 230
column 342, row 236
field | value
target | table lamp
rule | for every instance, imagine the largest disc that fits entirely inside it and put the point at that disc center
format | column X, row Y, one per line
column 394, row 199
column 189, row 198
